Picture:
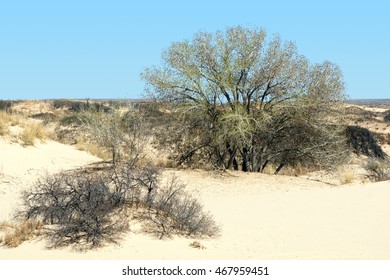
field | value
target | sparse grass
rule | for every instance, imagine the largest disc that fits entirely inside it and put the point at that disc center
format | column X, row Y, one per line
column 269, row 169
column 296, row 170
column 346, row 176
column 18, row 233
column 92, row 148
column 8, row 119
column 31, row 132
column 5, row 118
column 3, row 128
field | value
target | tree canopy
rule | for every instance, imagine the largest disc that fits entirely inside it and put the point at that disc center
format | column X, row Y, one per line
column 244, row 101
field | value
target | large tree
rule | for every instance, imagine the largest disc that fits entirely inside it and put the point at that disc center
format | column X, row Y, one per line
column 244, row 101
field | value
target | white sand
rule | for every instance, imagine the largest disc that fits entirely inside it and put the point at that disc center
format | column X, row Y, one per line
column 262, row 216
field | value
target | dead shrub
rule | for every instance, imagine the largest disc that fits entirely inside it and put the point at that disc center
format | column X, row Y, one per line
column 175, row 211
column 88, row 209
column 83, row 208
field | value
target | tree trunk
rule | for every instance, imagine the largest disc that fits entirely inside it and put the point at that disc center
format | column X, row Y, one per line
column 279, row 168
column 245, row 162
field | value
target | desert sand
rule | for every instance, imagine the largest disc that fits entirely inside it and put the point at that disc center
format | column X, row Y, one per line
column 261, row 216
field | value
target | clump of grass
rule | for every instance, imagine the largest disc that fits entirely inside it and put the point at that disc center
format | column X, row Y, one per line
column 4, row 120
column 17, row 234
column 346, row 176
column 31, row 132
column 3, row 128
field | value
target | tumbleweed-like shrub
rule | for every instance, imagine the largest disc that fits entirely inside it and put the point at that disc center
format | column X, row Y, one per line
column 84, row 209
column 89, row 209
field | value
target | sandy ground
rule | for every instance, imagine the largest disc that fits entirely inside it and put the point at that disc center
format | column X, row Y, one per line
column 261, row 216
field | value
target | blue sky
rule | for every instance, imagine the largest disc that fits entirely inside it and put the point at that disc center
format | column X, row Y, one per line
column 97, row 49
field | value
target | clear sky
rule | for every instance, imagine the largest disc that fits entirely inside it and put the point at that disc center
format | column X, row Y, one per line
column 97, row 49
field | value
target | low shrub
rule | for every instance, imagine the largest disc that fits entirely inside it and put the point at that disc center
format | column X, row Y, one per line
column 82, row 206
column 5, row 105
column 378, row 170
column 89, row 209
column 362, row 141
column 386, row 118
column 175, row 211
column 45, row 117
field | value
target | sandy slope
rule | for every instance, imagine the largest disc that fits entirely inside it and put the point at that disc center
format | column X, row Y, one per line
column 21, row 166
column 262, row 216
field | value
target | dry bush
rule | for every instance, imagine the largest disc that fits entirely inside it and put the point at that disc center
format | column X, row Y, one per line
column 18, row 233
column 124, row 134
column 378, row 170
column 89, row 209
column 83, row 207
column 174, row 211
column 31, row 132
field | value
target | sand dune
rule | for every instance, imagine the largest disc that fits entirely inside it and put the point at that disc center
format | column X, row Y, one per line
column 262, row 216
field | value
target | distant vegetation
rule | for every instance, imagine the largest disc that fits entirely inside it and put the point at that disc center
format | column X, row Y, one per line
column 5, row 105
column 386, row 118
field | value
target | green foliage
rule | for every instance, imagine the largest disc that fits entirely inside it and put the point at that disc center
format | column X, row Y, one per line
column 241, row 101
